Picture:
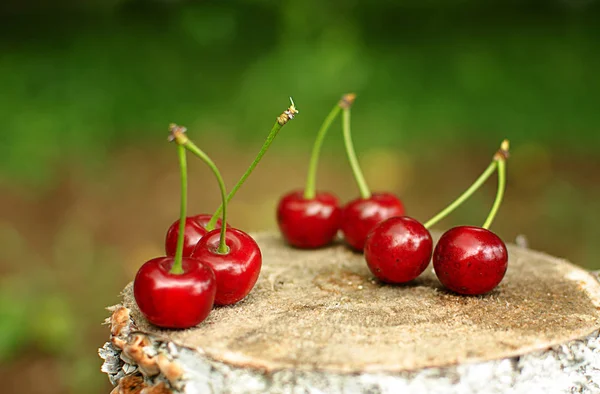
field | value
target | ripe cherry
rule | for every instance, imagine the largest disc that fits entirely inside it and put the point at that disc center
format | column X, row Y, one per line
column 470, row 260
column 309, row 223
column 398, row 249
column 473, row 260
column 195, row 228
column 175, row 292
column 310, row 219
column 361, row 215
column 171, row 300
column 237, row 270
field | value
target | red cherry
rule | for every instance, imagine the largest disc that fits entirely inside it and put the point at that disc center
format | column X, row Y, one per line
column 237, row 271
column 174, row 301
column 360, row 216
column 398, row 249
column 195, row 228
column 309, row 223
column 470, row 260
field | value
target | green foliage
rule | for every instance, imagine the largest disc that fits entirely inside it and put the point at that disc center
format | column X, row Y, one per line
column 14, row 331
column 51, row 303
column 74, row 87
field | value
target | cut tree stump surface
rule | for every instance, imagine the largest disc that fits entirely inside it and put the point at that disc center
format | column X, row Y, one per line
column 323, row 310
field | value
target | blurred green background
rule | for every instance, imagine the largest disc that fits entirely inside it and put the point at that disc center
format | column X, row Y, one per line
column 88, row 183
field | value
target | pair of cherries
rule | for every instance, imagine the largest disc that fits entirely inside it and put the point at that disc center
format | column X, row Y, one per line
column 235, row 271
column 309, row 219
column 207, row 262
column 310, row 223
column 467, row 260
column 184, row 297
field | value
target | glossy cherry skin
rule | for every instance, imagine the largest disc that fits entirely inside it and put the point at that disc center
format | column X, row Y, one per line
column 470, row 260
column 309, row 223
column 237, row 271
column 398, row 249
column 360, row 216
column 195, row 228
column 174, row 301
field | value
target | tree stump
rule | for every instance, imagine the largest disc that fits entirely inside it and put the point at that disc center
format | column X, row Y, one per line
column 318, row 322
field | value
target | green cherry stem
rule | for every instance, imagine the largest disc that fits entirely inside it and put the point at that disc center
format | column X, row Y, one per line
column 346, row 103
column 311, row 179
column 177, row 268
column 502, row 154
column 282, row 120
column 178, row 134
column 463, row 197
column 499, row 157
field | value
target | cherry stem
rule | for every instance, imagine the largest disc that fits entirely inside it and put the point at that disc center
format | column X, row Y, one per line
column 463, row 197
column 177, row 268
column 358, row 175
column 282, row 120
column 499, row 193
column 498, row 161
column 177, row 133
column 311, row 179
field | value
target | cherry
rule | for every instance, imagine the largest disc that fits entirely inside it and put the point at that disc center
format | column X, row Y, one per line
column 309, row 223
column 470, row 260
column 309, row 219
column 195, row 228
column 237, row 270
column 174, row 300
column 473, row 260
column 175, row 292
column 398, row 249
column 361, row 215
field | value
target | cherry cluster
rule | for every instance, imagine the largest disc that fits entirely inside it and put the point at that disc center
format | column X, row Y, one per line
column 467, row 260
column 207, row 262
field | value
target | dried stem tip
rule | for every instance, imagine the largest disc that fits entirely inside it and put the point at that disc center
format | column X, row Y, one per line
column 288, row 114
column 347, row 100
column 502, row 153
column 177, row 134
